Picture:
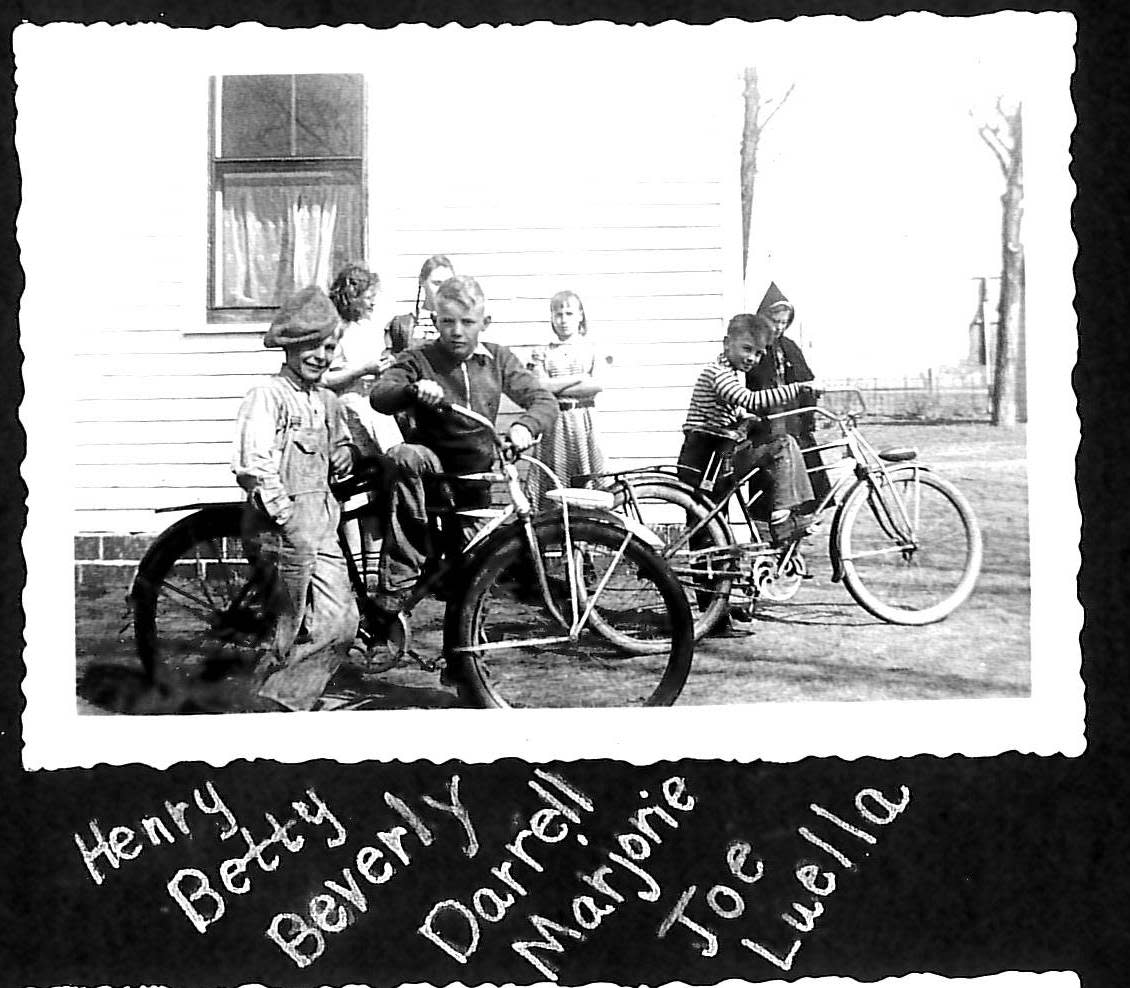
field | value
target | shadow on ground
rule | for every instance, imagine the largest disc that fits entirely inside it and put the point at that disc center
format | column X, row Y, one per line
column 109, row 688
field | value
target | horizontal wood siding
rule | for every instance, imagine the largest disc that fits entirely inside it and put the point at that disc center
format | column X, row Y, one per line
column 637, row 225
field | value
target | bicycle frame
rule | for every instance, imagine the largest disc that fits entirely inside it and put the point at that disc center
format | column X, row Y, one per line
column 518, row 511
column 869, row 468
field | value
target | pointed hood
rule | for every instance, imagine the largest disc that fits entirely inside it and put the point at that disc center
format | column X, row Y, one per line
column 774, row 298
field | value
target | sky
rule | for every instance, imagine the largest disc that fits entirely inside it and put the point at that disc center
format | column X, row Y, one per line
column 877, row 203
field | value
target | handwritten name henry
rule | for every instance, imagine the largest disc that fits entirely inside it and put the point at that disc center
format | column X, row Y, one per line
column 623, row 871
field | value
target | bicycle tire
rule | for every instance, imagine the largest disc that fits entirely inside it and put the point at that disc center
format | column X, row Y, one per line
column 937, row 567
column 708, row 598
column 198, row 609
column 589, row 670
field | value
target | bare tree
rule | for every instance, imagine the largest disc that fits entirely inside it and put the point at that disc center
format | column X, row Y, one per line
column 758, row 112
column 1003, row 134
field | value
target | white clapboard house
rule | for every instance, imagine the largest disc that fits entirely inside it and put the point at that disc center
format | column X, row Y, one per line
column 195, row 190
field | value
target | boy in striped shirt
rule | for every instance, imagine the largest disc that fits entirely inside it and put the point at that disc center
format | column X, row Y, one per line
column 720, row 409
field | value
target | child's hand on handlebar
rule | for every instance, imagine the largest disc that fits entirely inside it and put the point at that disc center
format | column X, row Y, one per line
column 428, row 393
column 519, row 437
column 341, row 460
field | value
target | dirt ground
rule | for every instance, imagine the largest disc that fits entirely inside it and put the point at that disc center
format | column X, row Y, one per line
column 818, row 646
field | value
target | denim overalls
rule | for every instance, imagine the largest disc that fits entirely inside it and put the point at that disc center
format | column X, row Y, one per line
column 316, row 615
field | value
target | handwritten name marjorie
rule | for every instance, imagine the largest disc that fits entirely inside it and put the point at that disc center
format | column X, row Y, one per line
column 455, row 927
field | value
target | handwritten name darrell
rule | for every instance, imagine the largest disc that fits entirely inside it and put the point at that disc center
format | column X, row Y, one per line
column 301, row 933
column 455, row 926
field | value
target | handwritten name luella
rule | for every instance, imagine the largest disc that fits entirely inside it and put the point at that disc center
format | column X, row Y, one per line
column 621, row 874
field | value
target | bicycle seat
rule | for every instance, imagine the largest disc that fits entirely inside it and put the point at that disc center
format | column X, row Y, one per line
column 898, row 454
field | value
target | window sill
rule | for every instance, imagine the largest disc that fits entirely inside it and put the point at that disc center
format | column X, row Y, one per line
column 229, row 321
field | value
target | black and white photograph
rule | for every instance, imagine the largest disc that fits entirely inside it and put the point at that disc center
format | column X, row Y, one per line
column 576, row 497
column 668, row 388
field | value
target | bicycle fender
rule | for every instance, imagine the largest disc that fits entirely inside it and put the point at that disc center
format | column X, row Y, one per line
column 835, row 553
column 201, row 511
column 701, row 498
column 199, row 506
column 641, row 531
column 638, row 529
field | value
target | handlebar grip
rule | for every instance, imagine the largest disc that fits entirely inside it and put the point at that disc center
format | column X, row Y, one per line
column 442, row 405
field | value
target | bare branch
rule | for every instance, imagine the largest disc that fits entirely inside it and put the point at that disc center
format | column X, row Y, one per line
column 996, row 145
column 779, row 103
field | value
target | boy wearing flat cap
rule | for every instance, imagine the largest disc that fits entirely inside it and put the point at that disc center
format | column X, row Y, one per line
column 291, row 437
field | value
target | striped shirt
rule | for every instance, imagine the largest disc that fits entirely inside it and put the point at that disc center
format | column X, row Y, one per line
column 720, row 394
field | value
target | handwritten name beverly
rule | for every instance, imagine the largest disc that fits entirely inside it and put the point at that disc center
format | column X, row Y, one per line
column 622, row 875
column 204, row 898
column 302, row 935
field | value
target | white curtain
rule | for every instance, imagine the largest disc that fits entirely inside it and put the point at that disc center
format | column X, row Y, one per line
column 277, row 238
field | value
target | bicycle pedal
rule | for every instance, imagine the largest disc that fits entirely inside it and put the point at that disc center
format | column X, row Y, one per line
column 426, row 664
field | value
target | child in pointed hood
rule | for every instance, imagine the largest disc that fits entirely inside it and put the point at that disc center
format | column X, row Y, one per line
column 784, row 363
column 777, row 309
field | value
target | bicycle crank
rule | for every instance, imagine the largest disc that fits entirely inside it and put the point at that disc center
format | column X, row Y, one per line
column 778, row 580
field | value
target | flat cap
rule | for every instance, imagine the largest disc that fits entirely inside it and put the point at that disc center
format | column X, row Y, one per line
column 307, row 316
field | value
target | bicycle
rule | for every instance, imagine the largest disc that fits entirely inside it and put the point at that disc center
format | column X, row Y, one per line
column 903, row 540
column 546, row 609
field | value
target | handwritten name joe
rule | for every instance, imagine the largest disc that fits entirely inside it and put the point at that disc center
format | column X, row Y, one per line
column 456, row 926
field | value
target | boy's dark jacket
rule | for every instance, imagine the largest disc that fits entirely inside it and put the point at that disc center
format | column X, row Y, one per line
column 461, row 444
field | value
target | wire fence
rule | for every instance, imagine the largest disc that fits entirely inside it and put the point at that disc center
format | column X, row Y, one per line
column 929, row 397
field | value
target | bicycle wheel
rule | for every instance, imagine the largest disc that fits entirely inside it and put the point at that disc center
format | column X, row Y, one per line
column 910, row 547
column 515, row 652
column 706, row 574
column 199, row 608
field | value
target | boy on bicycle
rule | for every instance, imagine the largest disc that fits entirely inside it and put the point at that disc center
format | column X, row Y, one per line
column 291, row 436
column 459, row 368
column 720, row 407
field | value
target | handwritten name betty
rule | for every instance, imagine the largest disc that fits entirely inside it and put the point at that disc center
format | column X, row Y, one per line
column 203, row 898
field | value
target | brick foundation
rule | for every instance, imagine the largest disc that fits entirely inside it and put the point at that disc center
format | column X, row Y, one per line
column 106, row 563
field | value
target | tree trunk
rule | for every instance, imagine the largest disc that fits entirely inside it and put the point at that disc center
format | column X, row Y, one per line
column 1009, row 312
column 751, row 134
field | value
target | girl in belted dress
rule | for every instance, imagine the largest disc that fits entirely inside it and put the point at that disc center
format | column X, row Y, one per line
column 570, row 368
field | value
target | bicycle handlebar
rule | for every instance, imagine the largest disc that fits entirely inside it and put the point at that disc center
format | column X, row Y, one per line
column 853, row 393
column 505, row 447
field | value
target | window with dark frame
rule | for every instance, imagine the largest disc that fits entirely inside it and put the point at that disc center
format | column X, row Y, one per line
column 287, row 187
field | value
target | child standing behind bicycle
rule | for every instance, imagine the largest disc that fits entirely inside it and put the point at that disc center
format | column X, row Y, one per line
column 721, row 405
column 291, row 437
column 569, row 368
column 784, row 363
column 364, row 352
column 415, row 328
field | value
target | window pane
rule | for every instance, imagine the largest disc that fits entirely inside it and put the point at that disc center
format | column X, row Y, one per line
column 255, row 120
column 328, row 111
column 281, row 232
